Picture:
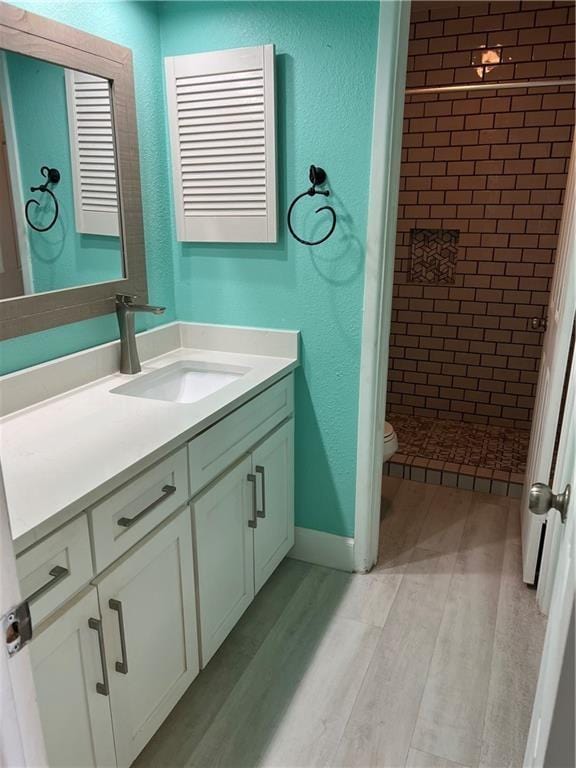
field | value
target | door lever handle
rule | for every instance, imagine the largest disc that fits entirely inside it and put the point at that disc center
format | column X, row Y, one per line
column 541, row 499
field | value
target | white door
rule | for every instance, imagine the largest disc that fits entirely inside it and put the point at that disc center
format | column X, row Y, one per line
column 224, row 517
column 147, row 602
column 552, row 373
column 563, row 592
column 273, row 468
column 21, row 741
column 73, row 696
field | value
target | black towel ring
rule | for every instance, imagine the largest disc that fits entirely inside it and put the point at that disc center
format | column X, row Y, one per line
column 317, row 176
column 52, row 176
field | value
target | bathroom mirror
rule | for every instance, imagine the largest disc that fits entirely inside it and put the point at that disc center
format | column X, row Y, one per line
column 58, row 178
column 70, row 209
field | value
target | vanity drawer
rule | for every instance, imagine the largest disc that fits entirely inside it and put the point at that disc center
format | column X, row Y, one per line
column 219, row 447
column 53, row 570
column 134, row 510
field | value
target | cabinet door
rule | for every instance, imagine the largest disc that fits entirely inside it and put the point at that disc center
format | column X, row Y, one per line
column 224, row 555
column 67, row 666
column 147, row 602
column 273, row 466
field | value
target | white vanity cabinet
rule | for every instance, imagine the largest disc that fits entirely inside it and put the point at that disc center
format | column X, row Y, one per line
column 111, row 666
column 71, row 687
column 147, row 601
column 273, row 470
column 137, row 592
column 244, row 527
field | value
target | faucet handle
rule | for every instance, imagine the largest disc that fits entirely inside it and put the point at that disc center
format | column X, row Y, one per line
column 125, row 298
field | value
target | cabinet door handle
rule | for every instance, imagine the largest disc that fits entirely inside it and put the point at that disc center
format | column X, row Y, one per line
column 103, row 687
column 260, row 471
column 167, row 490
column 254, row 522
column 58, row 573
column 120, row 666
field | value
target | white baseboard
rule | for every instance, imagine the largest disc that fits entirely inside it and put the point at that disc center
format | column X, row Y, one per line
column 324, row 549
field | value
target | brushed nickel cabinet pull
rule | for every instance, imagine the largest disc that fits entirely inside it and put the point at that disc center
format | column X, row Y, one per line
column 260, row 471
column 58, row 573
column 120, row 666
column 167, row 490
column 103, row 687
column 254, row 522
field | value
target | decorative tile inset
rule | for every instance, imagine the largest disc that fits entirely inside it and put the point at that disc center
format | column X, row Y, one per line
column 433, row 255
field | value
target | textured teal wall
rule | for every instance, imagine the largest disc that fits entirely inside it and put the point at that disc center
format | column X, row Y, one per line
column 325, row 58
column 60, row 257
column 135, row 25
column 326, row 54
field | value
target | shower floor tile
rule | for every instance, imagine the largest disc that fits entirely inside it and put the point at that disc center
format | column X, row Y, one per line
column 473, row 456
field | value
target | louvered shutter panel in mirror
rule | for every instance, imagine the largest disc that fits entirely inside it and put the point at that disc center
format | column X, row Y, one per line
column 92, row 153
column 222, row 136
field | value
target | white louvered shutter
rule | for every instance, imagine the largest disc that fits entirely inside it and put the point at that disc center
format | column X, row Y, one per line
column 92, row 152
column 222, row 134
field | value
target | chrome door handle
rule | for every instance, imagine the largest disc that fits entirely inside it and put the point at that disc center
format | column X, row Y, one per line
column 541, row 499
column 254, row 522
column 58, row 573
column 260, row 471
column 102, row 688
column 120, row 666
column 167, row 490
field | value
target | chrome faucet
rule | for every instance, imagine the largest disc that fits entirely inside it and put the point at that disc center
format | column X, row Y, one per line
column 125, row 309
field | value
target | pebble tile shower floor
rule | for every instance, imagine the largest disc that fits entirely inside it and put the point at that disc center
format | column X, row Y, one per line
column 472, row 456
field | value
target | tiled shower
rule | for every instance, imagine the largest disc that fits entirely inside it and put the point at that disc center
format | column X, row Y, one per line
column 482, row 182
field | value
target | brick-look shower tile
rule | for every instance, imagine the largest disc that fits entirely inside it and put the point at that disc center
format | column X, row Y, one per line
column 524, row 103
column 538, row 150
column 534, row 35
column 468, row 107
column 519, row 20
column 471, row 41
column 487, row 197
column 526, row 134
column 489, row 385
column 527, row 70
column 552, row 17
column 561, row 149
column 531, row 181
column 508, row 119
column 488, row 23
column 442, row 44
column 429, row 29
column 560, row 68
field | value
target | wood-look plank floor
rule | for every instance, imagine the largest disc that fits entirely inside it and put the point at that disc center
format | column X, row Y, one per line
column 429, row 661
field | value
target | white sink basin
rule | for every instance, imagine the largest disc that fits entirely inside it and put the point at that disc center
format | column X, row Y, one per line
column 182, row 382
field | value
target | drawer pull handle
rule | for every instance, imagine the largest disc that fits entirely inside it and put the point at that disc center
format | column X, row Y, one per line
column 120, row 666
column 260, row 471
column 254, row 522
column 167, row 490
column 103, row 687
column 58, row 573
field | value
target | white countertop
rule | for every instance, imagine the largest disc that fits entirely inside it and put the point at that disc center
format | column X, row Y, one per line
column 61, row 455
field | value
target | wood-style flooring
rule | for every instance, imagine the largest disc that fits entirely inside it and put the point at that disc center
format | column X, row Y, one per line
column 429, row 661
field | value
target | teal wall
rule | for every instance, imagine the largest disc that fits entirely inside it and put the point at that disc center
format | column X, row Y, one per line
column 325, row 65
column 135, row 25
column 326, row 55
column 60, row 257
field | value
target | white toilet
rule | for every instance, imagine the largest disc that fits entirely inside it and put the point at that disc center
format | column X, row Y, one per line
column 390, row 441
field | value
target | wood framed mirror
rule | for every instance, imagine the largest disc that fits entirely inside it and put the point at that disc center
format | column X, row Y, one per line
column 71, row 240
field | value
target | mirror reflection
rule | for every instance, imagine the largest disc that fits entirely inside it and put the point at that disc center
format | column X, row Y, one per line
column 59, row 207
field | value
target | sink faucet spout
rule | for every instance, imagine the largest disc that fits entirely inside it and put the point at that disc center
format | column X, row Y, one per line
column 125, row 311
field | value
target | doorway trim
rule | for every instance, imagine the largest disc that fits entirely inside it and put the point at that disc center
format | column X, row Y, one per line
column 378, row 278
